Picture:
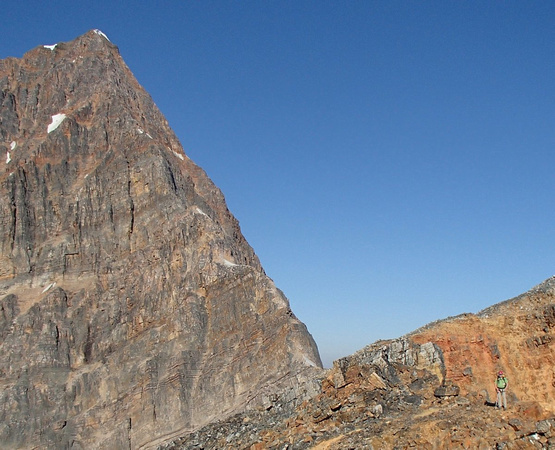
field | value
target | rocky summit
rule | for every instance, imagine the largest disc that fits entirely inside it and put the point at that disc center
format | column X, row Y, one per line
column 132, row 310
column 431, row 389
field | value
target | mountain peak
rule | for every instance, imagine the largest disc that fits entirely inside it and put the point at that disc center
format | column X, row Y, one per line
column 80, row 82
column 92, row 38
column 131, row 300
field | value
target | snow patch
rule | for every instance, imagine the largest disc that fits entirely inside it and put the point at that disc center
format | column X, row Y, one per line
column 13, row 145
column 50, row 47
column 8, row 158
column 141, row 131
column 308, row 361
column 178, row 155
column 229, row 263
column 200, row 211
column 50, row 286
column 100, row 33
column 57, row 119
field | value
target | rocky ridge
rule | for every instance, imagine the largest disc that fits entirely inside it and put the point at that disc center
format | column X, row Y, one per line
column 132, row 309
column 430, row 389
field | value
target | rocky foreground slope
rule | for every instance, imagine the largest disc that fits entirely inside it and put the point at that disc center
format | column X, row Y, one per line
column 431, row 389
column 132, row 309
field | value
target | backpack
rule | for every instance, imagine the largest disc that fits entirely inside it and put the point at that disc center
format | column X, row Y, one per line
column 501, row 382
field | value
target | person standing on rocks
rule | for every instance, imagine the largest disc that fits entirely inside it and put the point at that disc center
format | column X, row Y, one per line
column 501, row 384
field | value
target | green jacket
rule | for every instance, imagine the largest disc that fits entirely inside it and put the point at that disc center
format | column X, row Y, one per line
column 501, row 382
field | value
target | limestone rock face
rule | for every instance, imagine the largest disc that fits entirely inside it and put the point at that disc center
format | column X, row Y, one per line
column 132, row 309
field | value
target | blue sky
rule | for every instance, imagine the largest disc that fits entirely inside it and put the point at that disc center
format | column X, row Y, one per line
column 391, row 163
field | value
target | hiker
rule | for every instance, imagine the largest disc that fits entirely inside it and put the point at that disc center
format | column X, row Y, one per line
column 501, row 384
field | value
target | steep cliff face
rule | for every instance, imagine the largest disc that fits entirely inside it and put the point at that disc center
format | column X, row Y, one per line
column 132, row 308
column 431, row 389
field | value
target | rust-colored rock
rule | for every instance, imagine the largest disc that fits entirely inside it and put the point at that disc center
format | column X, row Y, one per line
column 132, row 309
column 514, row 336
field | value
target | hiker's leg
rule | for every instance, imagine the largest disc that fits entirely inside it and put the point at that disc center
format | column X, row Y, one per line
column 504, row 400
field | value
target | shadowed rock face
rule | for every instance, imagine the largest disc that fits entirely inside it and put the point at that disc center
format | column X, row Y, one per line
column 132, row 309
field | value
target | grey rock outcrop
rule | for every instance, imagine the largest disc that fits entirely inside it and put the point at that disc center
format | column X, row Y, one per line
column 132, row 310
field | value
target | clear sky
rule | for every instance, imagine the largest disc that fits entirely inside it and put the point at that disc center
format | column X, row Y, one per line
column 391, row 163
